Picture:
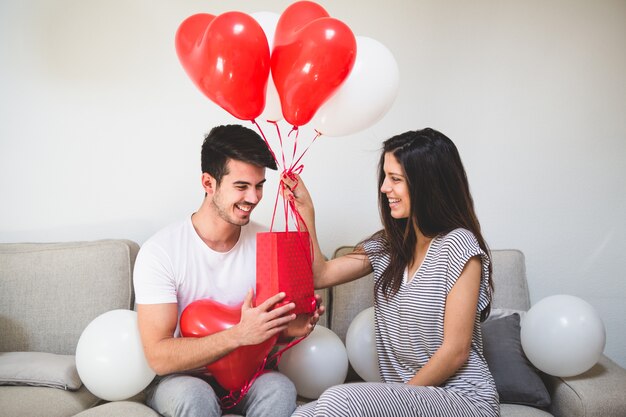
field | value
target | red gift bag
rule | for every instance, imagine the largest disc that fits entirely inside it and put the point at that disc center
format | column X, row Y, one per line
column 283, row 263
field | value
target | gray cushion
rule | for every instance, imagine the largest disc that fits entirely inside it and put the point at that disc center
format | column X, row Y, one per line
column 516, row 379
column 39, row 369
column 51, row 291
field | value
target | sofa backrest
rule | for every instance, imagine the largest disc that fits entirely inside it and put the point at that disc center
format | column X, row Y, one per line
column 348, row 300
column 49, row 292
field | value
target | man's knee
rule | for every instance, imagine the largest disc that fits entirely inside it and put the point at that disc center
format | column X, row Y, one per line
column 184, row 396
column 272, row 394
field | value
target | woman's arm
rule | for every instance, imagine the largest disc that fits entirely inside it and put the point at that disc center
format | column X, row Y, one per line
column 325, row 273
column 458, row 327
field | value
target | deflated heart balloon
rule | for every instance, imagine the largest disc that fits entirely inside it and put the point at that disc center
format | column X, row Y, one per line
column 233, row 371
column 311, row 65
column 228, row 59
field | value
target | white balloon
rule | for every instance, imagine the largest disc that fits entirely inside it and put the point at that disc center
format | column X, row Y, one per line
column 316, row 363
column 563, row 335
column 109, row 356
column 361, row 346
column 272, row 110
column 365, row 96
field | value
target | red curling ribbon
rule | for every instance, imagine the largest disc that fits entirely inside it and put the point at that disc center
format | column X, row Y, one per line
column 234, row 397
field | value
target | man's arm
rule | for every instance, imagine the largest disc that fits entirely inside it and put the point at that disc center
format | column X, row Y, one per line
column 166, row 354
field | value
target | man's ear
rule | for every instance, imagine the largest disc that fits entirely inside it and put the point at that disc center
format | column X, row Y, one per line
column 208, row 183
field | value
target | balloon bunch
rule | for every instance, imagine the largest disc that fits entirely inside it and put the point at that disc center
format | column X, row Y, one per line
column 303, row 66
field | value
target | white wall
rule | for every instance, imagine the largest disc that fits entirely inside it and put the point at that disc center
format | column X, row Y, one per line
column 100, row 128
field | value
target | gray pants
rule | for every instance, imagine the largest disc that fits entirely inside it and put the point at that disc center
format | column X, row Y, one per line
column 182, row 395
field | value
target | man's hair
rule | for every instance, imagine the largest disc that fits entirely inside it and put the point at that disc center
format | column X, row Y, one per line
column 233, row 142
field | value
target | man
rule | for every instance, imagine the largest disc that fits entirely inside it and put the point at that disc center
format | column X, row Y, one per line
column 212, row 254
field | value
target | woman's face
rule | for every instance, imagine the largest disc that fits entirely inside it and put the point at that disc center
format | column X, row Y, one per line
column 395, row 188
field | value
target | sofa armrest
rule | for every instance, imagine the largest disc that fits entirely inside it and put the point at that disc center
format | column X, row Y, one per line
column 598, row 392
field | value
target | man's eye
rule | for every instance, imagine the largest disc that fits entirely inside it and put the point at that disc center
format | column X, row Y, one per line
column 241, row 187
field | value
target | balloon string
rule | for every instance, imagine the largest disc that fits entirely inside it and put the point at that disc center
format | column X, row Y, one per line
column 275, row 206
column 234, row 397
column 289, row 207
column 280, row 140
column 267, row 143
column 295, row 143
column 317, row 135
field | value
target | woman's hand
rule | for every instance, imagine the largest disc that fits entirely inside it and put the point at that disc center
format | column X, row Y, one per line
column 293, row 190
column 304, row 323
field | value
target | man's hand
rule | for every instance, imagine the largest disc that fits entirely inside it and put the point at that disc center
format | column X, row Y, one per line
column 259, row 323
column 304, row 323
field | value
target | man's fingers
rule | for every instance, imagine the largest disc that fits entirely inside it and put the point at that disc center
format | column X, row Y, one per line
column 281, row 311
column 267, row 304
column 247, row 302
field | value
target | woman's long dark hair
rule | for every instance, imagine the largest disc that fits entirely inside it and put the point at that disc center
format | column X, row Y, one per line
column 440, row 200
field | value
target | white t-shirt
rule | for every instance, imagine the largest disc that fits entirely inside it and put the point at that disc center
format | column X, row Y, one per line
column 176, row 266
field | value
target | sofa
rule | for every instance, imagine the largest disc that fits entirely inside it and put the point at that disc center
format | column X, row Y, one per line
column 49, row 292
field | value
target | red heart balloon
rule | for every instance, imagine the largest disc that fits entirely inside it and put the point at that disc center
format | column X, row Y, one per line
column 310, row 67
column 233, row 371
column 228, row 59
column 294, row 18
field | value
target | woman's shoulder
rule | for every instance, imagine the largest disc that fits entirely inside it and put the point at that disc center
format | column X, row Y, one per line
column 375, row 243
column 458, row 239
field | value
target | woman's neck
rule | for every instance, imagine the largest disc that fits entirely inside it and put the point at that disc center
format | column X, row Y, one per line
column 421, row 249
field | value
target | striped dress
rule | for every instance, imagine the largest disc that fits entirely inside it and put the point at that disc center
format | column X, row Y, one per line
column 409, row 330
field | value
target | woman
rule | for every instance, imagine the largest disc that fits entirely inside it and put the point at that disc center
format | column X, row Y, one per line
column 432, row 287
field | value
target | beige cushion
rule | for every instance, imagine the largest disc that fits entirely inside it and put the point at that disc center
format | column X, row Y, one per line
column 119, row 409
column 22, row 401
column 51, row 291
column 39, row 369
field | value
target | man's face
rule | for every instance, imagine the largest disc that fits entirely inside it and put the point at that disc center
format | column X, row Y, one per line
column 239, row 192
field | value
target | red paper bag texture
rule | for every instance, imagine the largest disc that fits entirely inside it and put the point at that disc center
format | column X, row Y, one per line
column 283, row 263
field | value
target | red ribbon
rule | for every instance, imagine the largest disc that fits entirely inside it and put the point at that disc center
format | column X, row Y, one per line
column 234, row 397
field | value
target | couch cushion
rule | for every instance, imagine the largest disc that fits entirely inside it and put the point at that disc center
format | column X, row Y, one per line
column 119, row 409
column 39, row 369
column 509, row 280
column 44, row 402
column 349, row 299
column 51, row 291
column 514, row 410
column 516, row 379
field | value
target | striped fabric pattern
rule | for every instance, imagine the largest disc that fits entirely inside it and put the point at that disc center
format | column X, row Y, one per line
column 409, row 330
